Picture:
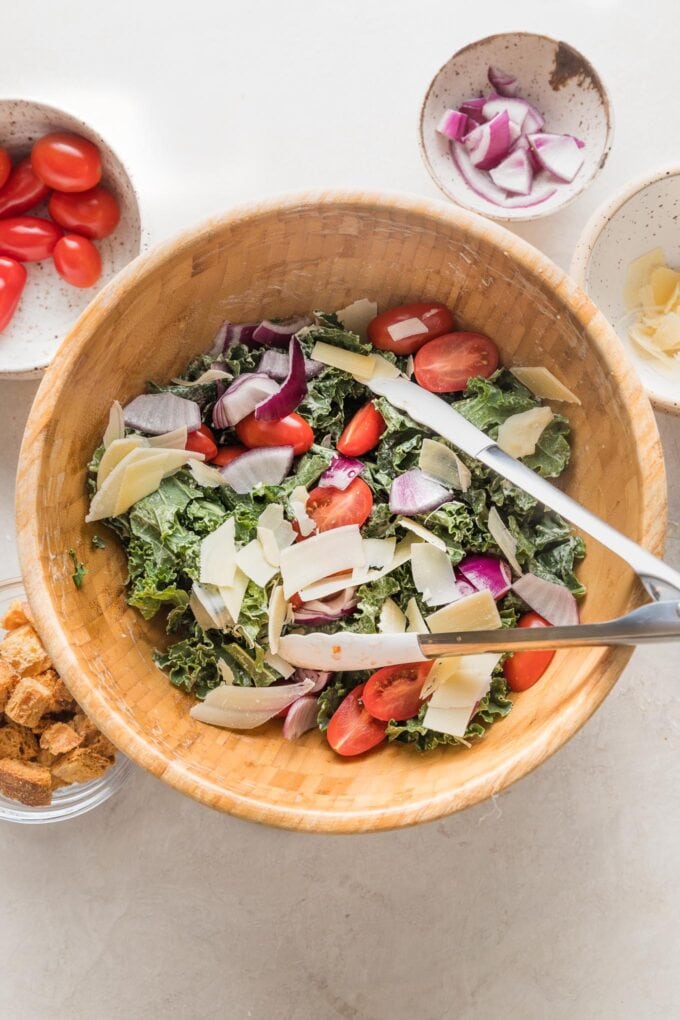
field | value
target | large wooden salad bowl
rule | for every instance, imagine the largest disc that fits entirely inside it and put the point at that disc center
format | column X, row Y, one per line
column 276, row 258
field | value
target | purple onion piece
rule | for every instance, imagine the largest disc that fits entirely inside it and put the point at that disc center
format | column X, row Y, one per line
column 472, row 108
column 488, row 572
column 233, row 333
column 277, row 334
column 300, row 717
column 340, row 473
column 241, row 398
column 276, row 364
column 416, row 493
column 267, row 465
column 292, row 390
column 503, row 82
column 552, row 601
column 156, row 413
column 319, row 676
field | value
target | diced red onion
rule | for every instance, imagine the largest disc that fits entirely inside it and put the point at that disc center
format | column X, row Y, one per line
column 514, row 173
column 276, row 363
column 267, row 465
column 482, row 185
column 156, row 413
column 533, row 121
column 464, row 587
column 233, row 333
column 554, row 602
column 488, row 143
column 488, row 572
column 318, row 611
column 414, row 493
column 293, row 389
column 560, row 155
column 516, row 109
column 503, row 82
column 454, row 124
column 300, row 717
column 279, row 333
column 340, row 473
column 524, row 145
column 472, row 108
column 320, row 678
column 241, row 398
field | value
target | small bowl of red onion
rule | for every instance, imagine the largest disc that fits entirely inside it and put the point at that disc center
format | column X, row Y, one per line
column 515, row 126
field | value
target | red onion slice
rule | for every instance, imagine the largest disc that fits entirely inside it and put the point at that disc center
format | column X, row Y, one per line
column 279, row 333
column 482, row 185
column 560, row 155
column 472, row 108
column 156, row 413
column 268, row 465
column 489, row 143
column 340, row 473
column 293, row 389
column 454, row 124
column 552, row 601
column 317, row 611
column 488, row 572
column 276, row 364
column 414, row 493
column 319, row 677
column 301, row 717
column 514, row 173
column 503, row 82
column 241, row 398
column 233, row 333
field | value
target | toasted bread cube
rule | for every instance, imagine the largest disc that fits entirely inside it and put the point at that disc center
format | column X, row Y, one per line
column 103, row 746
column 16, row 616
column 28, row 702
column 21, row 648
column 60, row 738
column 80, row 766
column 30, row 784
column 85, row 727
column 61, row 699
column 46, row 758
column 9, row 678
column 18, row 742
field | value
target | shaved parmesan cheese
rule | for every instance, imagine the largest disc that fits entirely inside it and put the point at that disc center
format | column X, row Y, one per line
column 421, row 532
column 323, row 554
column 115, row 428
column 328, row 586
column 504, row 539
column 664, row 283
column 274, row 533
column 298, row 508
column 356, row 317
column 442, row 464
column 207, row 605
column 410, row 367
column 138, row 475
column 356, row 364
column 378, row 553
column 459, row 682
column 206, row 476
column 218, row 556
column 226, row 672
column 379, row 368
column 407, row 328
column 433, row 574
column 519, row 434
column 639, row 272
column 416, row 623
column 210, row 375
column 175, row 459
column 277, row 617
column 453, row 721
column 114, row 454
column 331, row 585
column 544, row 384
column 252, row 561
column 233, row 595
column 474, row 612
column 175, row 440
column 392, row 620
column 280, row 665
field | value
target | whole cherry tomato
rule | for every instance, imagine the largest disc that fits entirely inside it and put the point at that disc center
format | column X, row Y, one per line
column 77, row 260
column 22, row 191
column 362, row 433
column 202, row 441
column 394, row 691
column 352, row 730
column 226, row 454
column 12, row 280
column 94, row 213
column 66, row 162
column 523, row 669
column 289, row 431
column 334, row 508
column 5, row 167
column 405, row 329
column 446, row 364
column 28, row 238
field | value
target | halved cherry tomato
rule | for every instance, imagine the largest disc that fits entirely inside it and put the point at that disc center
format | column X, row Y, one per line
column 77, row 260
column 290, row 431
column 226, row 454
column 446, row 364
column 351, row 729
column 434, row 319
column 12, row 280
column 28, row 238
column 94, row 213
column 202, row 441
column 362, row 433
column 394, row 691
column 22, row 191
column 334, row 508
column 523, row 669
column 66, row 161
column 5, row 167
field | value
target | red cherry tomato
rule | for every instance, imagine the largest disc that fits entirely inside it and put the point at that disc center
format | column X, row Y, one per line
column 28, row 238
column 226, row 454
column 446, row 364
column 394, row 691
column 362, row 433
column 22, row 191
column 94, row 213
column 334, row 508
column 66, row 162
column 351, row 729
column 5, row 167
column 434, row 320
column 12, row 280
column 290, row 431
column 77, row 260
column 523, row 669
column 202, row 441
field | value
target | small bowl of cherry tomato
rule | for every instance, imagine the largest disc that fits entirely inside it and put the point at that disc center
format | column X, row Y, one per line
column 69, row 221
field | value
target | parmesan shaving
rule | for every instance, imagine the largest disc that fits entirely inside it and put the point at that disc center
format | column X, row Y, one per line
column 115, row 428
column 218, row 556
column 209, row 376
column 277, row 617
column 474, row 612
column 252, row 561
column 206, row 476
column 226, row 672
column 234, row 594
column 356, row 317
column 653, row 291
column 378, row 554
column 332, row 585
column 421, row 532
column 433, row 574
column 504, row 539
column 392, row 620
column 458, row 683
column 298, row 508
column 208, row 607
column 442, row 464
column 416, row 623
column 274, row 533
column 280, row 665
column 115, row 452
column 519, row 434
column 379, row 368
column 175, row 440
column 407, row 328
column 346, row 361
column 327, row 553
column 544, row 384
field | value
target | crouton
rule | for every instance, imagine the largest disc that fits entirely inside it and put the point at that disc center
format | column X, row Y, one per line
column 59, row 738
column 17, row 742
column 46, row 758
column 16, row 616
column 85, row 727
column 21, row 648
column 61, row 699
column 9, row 678
column 80, row 765
column 102, row 746
column 28, row 702
column 30, row 784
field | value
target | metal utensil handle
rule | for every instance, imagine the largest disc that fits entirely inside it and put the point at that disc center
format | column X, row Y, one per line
column 656, row 622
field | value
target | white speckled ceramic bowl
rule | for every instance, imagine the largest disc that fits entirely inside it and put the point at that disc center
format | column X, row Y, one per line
column 553, row 76
column 644, row 215
column 49, row 306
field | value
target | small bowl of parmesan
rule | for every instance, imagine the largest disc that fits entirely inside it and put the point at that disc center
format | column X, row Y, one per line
column 628, row 261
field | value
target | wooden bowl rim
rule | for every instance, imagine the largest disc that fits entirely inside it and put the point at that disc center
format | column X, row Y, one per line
column 537, row 747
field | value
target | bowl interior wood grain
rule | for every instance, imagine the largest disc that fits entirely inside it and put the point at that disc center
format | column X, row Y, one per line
column 276, row 259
